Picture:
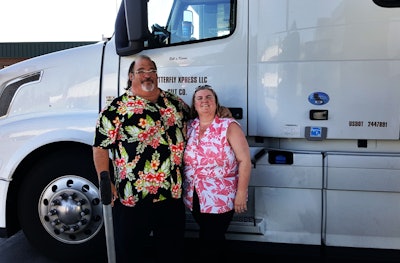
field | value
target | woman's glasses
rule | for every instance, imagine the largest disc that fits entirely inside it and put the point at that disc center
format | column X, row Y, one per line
column 201, row 87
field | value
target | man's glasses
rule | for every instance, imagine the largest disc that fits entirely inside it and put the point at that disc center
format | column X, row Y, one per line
column 141, row 72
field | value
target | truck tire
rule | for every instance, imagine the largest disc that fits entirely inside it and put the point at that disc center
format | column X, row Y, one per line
column 60, row 210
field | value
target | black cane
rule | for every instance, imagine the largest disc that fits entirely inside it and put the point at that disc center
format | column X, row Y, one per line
column 106, row 195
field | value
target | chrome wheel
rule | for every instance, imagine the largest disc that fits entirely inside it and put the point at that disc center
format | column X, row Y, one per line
column 70, row 209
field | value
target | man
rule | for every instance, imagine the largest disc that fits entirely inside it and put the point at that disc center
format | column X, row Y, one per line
column 145, row 130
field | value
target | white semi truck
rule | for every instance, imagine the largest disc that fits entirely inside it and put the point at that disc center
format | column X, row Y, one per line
column 315, row 85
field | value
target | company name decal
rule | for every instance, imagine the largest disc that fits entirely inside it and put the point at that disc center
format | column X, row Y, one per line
column 181, row 80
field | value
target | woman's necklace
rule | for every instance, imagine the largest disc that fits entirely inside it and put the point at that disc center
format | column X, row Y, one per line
column 204, row 126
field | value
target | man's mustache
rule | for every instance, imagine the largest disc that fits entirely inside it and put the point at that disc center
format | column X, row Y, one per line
column 147, row 80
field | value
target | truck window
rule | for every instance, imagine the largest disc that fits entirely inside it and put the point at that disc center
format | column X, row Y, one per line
column 181, row 21
column 387, row 3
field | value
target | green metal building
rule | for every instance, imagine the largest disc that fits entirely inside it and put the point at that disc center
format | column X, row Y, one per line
column 11, row 53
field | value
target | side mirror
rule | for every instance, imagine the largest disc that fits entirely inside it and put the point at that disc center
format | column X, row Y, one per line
column 131, row 27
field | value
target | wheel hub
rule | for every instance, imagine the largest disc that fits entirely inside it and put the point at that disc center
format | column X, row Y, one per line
column 70, row 209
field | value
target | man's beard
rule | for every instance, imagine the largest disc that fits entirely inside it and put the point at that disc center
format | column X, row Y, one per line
column 147, row 86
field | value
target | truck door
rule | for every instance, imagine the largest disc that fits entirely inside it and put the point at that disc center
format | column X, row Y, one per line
column 197, row 43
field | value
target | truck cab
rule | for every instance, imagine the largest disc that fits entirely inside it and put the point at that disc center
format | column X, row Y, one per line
column 312, row 83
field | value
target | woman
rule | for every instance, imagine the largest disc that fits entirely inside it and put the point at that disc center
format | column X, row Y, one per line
column 217, row 168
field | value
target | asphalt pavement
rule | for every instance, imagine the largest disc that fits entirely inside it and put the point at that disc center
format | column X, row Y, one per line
column 18, row 249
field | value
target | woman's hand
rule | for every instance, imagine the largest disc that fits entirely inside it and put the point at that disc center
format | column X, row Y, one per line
column 241, row 202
